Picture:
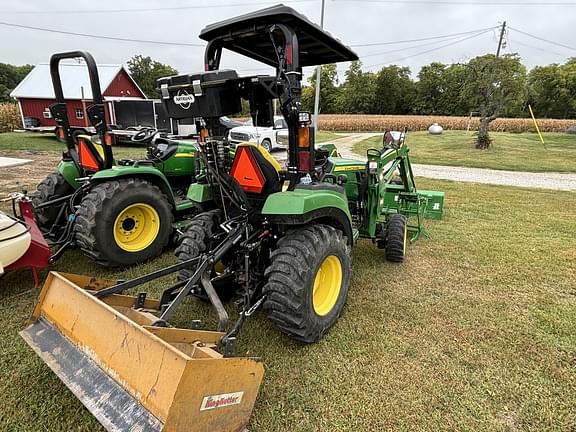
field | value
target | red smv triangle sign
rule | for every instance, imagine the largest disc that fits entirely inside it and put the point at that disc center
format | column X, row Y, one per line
column 246, row 171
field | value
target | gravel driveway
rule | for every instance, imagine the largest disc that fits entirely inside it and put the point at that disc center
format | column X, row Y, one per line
column 545, row 180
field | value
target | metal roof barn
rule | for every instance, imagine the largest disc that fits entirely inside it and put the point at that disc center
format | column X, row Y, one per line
column 35, row 92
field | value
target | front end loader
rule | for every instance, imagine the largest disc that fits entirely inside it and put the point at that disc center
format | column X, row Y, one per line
column 276, row 237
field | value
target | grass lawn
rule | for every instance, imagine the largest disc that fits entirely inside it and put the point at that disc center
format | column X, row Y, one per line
column 327, row 136
column 37, row 142
column 516, row 152
column 475, row 331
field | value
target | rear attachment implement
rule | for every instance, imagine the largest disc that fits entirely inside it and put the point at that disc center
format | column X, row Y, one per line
column 132, row 372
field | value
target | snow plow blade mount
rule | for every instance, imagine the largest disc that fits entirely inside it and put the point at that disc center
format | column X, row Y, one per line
column 132, row 376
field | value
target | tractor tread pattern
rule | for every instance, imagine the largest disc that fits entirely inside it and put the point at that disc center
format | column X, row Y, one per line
column 91, row 206
column 53, row 186
column 194, row 240
column 394, row 250
column 287, row 276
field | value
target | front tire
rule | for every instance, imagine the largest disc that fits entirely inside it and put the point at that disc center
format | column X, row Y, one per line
column 307, row 281
column 396, row 238
column 52, row 187
column 267, row 145
column 123, row 222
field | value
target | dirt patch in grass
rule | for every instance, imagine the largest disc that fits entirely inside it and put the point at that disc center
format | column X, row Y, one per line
column 12, row 179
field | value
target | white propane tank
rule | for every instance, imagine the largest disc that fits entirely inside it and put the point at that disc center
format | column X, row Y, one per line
column 14, row 240
column 435, row 129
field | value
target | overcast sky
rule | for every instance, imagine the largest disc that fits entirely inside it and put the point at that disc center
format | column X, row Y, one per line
column 352, row 21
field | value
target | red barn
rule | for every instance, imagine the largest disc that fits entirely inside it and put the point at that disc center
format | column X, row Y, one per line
column 35, row 93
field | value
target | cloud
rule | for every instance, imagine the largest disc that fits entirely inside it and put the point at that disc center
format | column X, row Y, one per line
column 353, row 22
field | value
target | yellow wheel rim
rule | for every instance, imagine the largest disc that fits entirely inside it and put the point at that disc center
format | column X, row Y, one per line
column 136, row 227
column 327, row 285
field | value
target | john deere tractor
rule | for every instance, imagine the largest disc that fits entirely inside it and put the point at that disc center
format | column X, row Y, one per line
column 298, row 224
column 119, row 212
column 278, row 237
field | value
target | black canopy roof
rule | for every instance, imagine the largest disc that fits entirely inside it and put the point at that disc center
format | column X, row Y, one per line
column 244, row 34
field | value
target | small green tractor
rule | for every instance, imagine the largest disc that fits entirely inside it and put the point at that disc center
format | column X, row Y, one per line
column 277, row 238
column 289, row 232
column 119, row 212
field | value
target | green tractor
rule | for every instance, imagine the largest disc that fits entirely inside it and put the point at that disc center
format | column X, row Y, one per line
column 299, row 224
column 276, row 238
column 119, row 212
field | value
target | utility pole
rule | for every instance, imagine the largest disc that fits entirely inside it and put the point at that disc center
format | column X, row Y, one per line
column 502, row 32
column 317, row 96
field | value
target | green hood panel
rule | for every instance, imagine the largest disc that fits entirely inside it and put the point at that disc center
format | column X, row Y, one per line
column 304, row 206
column 128, row 171
column 301, row 201
column 69, row 172
column 148, row 173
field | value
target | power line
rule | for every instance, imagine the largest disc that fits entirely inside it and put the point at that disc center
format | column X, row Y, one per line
column 158, row 9
column 542, row 39
column 430, row 50
column 414, row 46
column 468, row 3
column 420, row 39
column 547, row 51
column 478, row 33
column 100, row 36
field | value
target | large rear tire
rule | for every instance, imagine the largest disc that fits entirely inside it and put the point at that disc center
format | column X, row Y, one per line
column 52, row 187
column 123, row 222
column 307, row 281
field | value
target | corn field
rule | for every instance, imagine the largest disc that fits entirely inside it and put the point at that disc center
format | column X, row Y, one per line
column 378, row 123
column 9, row 117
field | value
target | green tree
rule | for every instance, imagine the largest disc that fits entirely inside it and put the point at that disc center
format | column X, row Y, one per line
column 146, row 72
column 10, row 77
column 329, row 90
column 547, row 91
column 454, row 101
column 439, row 90
column 496, row 86
column 357, row 91
column 430, row 88
column 394, row 91
column 569, row 74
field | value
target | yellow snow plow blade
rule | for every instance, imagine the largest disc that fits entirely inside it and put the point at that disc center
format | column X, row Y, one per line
column 132, row 376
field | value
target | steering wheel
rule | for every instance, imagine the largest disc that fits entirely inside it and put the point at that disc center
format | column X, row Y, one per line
column 143, row 135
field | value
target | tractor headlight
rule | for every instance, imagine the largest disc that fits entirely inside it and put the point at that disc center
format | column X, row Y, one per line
column 372, row 167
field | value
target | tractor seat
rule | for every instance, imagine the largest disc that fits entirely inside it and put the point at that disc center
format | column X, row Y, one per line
column 161, row 149
column 255, row 170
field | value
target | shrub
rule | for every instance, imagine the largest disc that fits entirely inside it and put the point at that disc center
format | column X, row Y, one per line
column 9, row 117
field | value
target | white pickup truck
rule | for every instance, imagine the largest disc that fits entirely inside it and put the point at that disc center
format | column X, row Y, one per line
column 265, row 136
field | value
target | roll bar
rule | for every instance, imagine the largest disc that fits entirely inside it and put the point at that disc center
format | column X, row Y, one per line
column 96, row 112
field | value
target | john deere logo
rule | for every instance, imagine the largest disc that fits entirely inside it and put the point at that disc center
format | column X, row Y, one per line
column 184, row 99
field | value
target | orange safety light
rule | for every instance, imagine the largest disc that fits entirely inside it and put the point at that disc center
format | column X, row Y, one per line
column 304, row 137
column 108, row 139
column 204, row 133
column 87, row 158
column 246, row 171
column 60, row 132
